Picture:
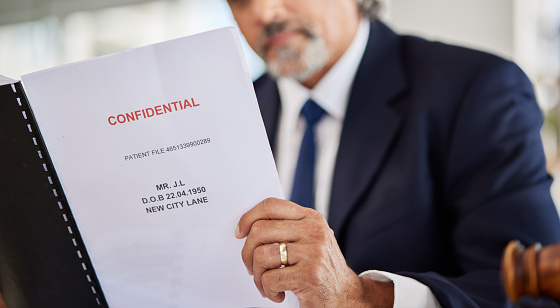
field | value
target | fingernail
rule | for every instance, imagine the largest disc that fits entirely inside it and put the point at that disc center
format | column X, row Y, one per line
column 237, row 231
column 249, row 272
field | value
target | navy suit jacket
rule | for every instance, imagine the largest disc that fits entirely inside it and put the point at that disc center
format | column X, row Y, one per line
column 440, row 165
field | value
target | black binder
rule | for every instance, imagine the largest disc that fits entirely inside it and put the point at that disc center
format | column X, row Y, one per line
column 43, row 261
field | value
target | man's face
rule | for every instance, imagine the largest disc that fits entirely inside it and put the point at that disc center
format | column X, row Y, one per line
column 301, row 39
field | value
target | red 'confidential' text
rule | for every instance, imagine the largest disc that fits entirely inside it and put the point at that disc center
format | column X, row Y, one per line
column 152, row 111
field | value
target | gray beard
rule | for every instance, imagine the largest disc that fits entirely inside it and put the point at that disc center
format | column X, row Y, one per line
column 299, row 65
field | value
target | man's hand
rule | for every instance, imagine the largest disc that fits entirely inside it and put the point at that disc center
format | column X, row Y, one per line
column 317, row 272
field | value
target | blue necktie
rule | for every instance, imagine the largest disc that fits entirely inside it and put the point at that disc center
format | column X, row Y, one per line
column 303, row 192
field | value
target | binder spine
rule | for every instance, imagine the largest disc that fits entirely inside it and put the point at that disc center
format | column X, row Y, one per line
column 61, row 204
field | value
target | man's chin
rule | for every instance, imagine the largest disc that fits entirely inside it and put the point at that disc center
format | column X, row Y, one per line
column 298, row 60
column 280, row 71
column 282, row 66
column 297, row 72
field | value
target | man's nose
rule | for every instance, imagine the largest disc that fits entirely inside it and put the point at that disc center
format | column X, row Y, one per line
column 268, row 11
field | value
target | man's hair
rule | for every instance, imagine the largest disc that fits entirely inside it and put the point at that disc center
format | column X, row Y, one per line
column 369, row 8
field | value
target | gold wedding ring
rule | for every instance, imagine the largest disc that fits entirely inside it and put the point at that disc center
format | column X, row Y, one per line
column 283, row 254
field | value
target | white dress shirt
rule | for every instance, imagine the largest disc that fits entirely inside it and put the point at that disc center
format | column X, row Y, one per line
column 332, row 94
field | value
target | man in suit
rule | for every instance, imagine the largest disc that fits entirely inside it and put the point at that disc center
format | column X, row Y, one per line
column 426, row 160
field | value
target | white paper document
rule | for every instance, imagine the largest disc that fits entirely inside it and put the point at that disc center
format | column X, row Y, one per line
column 159, row 151
column 5, row 80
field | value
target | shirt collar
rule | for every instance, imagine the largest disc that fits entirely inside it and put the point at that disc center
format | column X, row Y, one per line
column 333, row 90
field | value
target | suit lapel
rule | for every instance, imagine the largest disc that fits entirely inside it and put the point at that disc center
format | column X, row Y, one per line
column 269, row 104
column 370, row 124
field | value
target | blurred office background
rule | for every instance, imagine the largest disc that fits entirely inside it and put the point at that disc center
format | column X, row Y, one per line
column 38, row 34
